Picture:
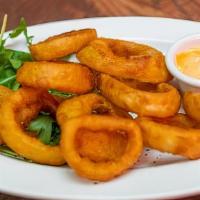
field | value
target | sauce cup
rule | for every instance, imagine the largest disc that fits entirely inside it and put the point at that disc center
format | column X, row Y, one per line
column 185, row 82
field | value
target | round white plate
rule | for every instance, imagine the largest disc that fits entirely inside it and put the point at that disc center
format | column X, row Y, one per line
column 156, row 175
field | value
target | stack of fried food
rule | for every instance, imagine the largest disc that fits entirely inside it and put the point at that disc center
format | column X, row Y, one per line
column 99, row 139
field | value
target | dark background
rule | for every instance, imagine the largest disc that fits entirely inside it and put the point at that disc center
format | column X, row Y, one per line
column 40, row 11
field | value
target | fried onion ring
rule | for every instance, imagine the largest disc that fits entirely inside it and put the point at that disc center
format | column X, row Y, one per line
column 191, row 104
column 62, row 45
column 162, row 102
column 177, row 135
column 62, row 76
column 19, row 109
column 125, row 59
column 139, row 85
column 100, row 147
column 4, row 93
column 85, row 105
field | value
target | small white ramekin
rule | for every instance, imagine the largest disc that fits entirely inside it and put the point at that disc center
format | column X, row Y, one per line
column 186, row 83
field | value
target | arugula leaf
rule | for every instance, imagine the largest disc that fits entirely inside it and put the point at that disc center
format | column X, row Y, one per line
column 21, row 28
column 17, row 58
column 46, row 129
column 55, row 137
column 2, row 42
column 61, row 94
column 11, row 60
column 15, row 86
column 7, row 77
column 66, row 58
column 14, row 58
column 4, row 150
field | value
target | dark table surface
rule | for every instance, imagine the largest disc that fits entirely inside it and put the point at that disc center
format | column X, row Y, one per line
column 40, row 11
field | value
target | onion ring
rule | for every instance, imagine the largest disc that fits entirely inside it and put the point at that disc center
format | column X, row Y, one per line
column 85, row 105
column 125, row 59
column 191, row 104
column 62, row 45
column 62, row 76
column 4, row 93
column 162, row 102
column 177, row 135
column 20, row 107
column 117, row 140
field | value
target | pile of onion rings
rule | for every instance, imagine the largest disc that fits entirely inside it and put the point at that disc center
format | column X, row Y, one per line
column 99, row 139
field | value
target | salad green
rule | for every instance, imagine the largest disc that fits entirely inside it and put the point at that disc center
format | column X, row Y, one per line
column 46, row 129
column 11, row 60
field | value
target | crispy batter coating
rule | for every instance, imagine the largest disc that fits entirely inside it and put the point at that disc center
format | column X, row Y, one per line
column 100, row 147
column 191, row 103
column 4, row 93
column 20, row 107
column 125, row 59
column 177, row 135
column 85, row 105
column 162, row 102
column 62, row 76
column 139, row 85
column 62, row 45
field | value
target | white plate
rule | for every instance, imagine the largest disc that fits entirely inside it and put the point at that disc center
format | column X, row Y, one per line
column 157, row 175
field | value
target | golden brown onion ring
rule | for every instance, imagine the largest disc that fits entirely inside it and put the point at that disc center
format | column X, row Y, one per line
column 85, row 105
column 191, row 104
column 62, row 76
column 176, row 135
column 16, row 112
column 63, row 44
column 100, row 147
column 162, row 102
column 125, row 59
column 4, row 93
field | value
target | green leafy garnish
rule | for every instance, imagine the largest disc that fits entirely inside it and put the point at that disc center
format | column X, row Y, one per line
column 46, row 129
column 11, row 60
column 61, row 94
column 17, row 58
column 4, row 150
column 21, row 28
column 66, row 58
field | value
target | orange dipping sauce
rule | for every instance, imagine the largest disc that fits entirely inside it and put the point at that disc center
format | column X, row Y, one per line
column 188, row 62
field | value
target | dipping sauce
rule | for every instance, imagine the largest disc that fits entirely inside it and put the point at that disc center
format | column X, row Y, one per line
column 188, row 62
